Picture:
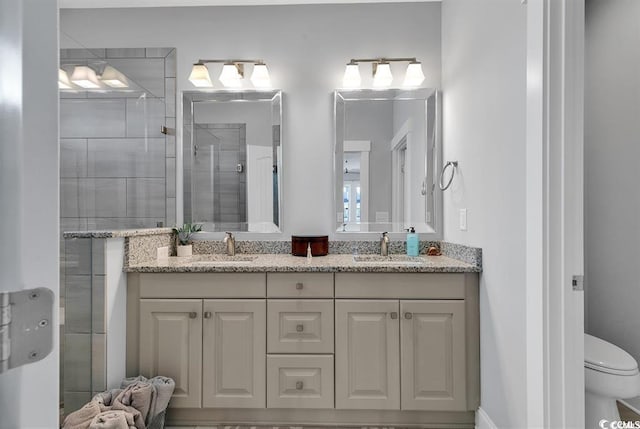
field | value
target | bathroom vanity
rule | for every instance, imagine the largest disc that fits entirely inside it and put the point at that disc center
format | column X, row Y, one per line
column 338, row 340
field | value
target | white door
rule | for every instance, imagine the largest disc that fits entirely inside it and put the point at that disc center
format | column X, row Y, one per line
column 367, row 354
column 555, row 311
column 29, row 202
column 234, row 353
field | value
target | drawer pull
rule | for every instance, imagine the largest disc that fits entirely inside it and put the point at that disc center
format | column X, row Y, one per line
column 207, row 315
column 299, row 385
column 300, row 327
column 394, row 315
column 193, row 315
column 299, row 286
column 408, row 315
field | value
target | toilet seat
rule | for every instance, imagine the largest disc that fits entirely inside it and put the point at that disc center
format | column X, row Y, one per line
column 602, row 356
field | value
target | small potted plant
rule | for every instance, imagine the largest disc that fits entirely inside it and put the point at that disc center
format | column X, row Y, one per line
column 183, row 236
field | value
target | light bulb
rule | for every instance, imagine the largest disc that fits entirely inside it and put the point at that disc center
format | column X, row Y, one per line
column 200, row 76
column 260, row 76
column 382, row 77
column 414, row 75
column 351, row 77
column 230, row 76
column 114, row 78
column 85, row 77
column 63, row 80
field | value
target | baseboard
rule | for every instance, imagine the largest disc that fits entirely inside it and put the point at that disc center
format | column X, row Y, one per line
column 633, row 404
column 483, row 421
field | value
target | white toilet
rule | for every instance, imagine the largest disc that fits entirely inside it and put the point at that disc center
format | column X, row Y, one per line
column 610, row 373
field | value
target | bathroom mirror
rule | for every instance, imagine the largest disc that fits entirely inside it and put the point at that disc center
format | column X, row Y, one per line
column 232, row 154
column 386, row 158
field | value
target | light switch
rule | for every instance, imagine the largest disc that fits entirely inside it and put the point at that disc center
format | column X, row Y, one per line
column 463, row 219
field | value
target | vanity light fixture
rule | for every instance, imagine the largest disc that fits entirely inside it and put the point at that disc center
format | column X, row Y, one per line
column 63, row 80
column 114, row 78
column 85, row 77
column 382, row 76
column 232, row 74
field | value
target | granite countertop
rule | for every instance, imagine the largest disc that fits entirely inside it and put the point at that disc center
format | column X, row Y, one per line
column 143, row 232
column 261, row 263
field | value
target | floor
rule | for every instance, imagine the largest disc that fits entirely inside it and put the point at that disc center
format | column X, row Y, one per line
column 627, row 415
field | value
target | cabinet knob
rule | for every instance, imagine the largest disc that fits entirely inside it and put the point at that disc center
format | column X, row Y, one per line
column 408, row 315
column 299, row 286
column 207, row 315
column 193, row 315
column 299, row 385
column 394, row 314
column 300, row 327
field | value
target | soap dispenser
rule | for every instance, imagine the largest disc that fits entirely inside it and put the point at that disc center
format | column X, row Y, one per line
column 413, row 244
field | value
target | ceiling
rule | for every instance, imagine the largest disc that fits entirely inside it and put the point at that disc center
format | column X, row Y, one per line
column 71, row 4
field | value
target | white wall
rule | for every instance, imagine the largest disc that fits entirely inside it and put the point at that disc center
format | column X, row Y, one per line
column 612, row 176
column 306, row 48
column 29, row 192
column 484, row 90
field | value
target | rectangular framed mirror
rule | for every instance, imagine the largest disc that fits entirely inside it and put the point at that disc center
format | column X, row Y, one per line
column 232, row 157
column 387, row 155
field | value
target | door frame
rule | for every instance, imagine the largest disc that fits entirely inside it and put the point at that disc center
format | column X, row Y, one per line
column 554, row 200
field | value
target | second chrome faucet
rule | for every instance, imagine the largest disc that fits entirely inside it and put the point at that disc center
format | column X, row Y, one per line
column 384, row 244
column 230, row 241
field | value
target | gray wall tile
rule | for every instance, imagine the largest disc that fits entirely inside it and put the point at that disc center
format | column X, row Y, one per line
column 146, row 197
column 145, row 116
column 73, row 157
column 171, row 177
column 98, row 362
column 84, row 53
column 77, row 258
column 78, row 304
column 124, row 222
column 69, row 203
column 73, row 401
column 134, row 157
column 170, row 97
column 78, row 118
column 171, row 145
column 97, row 255
column 77, row 363
column 73, row 224
column 98, row 304
column 102, row 197
column 146, row 73
column 171, row 211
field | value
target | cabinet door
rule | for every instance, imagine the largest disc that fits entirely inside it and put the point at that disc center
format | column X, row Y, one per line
column 367, row 354
column 234, row 356
column 171, row 345
column 433, row 355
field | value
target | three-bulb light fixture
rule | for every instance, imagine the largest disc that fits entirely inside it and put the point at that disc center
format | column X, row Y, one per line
column 381, row 69
column 86, row 77
column 232, row 74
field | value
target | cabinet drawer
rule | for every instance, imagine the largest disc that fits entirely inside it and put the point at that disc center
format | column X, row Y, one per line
column 300, row 326
column 202, row 285
column 299, row 381
column 299, row 285
column 400, row 286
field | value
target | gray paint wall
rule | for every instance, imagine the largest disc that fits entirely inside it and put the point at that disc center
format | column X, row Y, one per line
column 306, row 48
column 612, row 176
column 484, row 128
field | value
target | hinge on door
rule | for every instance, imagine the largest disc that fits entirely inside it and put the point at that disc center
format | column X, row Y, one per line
column 26, row 329
column 577, row 282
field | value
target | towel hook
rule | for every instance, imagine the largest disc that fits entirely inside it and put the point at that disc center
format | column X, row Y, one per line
column 454, row 166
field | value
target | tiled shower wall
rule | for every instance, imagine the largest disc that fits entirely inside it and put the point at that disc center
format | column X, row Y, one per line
column 117, row 169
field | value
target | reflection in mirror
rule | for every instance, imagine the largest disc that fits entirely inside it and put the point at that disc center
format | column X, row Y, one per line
column 233, row 160
column 387, row 150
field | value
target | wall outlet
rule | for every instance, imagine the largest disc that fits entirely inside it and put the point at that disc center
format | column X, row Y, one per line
column 463, row 219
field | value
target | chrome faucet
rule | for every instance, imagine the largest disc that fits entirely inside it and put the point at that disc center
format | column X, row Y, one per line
column 231, row 243
column 384, row 244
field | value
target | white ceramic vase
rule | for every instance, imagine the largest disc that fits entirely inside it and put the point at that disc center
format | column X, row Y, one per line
column 185, row 250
